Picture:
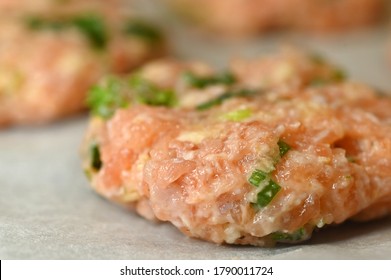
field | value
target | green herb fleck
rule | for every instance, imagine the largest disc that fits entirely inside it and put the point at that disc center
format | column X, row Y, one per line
column 38, row 23
column 221, row 98
column 283, row 147
column 93, row 27
column 337, row 76
column 351, row 159
column 90, row 25
column 147, row 93
column 203, row 82
column 96, row 162
column 266, row 195
column 238, row 115
column 106, row 98
column 298, row 235
column 257, row 177
column 143, row 30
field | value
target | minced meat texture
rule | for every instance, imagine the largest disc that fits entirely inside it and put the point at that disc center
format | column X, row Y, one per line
column 258, row 168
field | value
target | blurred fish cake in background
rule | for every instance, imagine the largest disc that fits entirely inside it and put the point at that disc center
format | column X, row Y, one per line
column 57, row 7
column 52, row 51
column 249, row 17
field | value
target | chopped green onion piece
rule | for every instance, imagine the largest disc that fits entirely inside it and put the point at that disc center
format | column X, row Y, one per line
column 96, row 162
column 214, row 102
column 257, row 177
column 90, row 25
column 298, row 235
column 93, row 27
column 203, row 82
column 143, row 30
column 106, row 98
column 238, row 115
column 351, row 159
column 148, row 93
column 37, row 23
column 283, row 147
column 338, row 76
column 221, row 98
column 266, row 195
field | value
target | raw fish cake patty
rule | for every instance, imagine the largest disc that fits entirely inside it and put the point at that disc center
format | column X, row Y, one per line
column 245, row 17
column 51, row 53
column 268, row 151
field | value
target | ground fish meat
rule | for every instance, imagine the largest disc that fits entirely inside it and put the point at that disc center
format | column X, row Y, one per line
column 268, row 152
column 52, row 52
column 244, row 17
